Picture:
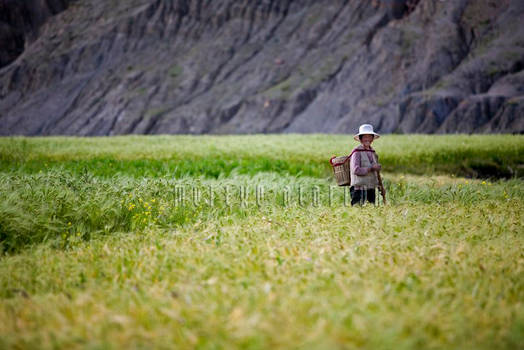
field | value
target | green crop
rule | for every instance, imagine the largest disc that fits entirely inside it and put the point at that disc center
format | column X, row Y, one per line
column 224, row 242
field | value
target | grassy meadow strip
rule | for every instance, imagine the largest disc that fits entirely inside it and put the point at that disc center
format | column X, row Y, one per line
column 494, row 156
column 211, row 167
column 406, row 276
column 62, row 206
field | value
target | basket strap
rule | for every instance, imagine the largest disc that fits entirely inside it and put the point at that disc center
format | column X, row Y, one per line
column 349, row 157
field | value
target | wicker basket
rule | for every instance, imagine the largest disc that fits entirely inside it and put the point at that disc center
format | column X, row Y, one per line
column 341, row 170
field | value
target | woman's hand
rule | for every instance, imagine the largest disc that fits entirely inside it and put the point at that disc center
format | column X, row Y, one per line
column 376, row 167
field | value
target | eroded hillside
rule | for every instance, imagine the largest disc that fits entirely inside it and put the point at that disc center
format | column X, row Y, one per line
column 93, row 67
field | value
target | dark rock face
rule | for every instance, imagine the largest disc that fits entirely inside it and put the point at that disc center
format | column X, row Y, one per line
column 20, row 22
column 240, row 66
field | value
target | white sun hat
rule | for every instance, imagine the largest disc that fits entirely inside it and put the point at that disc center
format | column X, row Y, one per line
column 366, row 129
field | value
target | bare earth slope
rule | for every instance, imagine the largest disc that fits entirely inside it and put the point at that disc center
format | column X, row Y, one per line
column 93, row 67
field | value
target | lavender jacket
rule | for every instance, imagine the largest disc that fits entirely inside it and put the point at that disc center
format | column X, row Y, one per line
column 357, row 168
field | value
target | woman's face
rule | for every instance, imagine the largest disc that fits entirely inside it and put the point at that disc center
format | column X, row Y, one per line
column 367, row 140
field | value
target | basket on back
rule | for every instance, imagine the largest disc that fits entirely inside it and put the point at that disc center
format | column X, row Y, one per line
column 341, row 170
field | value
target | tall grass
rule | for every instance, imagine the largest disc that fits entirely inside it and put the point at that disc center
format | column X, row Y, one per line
column 408, row 276
column 161, row 242
column 60, row 205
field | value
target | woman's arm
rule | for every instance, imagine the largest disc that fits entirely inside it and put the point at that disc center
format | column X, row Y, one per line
column 375, row 165
column 355, row 165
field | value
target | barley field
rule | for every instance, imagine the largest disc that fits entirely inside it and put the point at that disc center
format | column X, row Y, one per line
column 246, row 242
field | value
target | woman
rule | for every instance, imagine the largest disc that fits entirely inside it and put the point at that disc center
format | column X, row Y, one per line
column 364, row 167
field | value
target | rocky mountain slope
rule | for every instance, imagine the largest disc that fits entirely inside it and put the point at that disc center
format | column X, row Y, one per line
column 94, row 67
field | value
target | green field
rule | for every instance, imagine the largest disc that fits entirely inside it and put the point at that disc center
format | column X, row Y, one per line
column 225, row 242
